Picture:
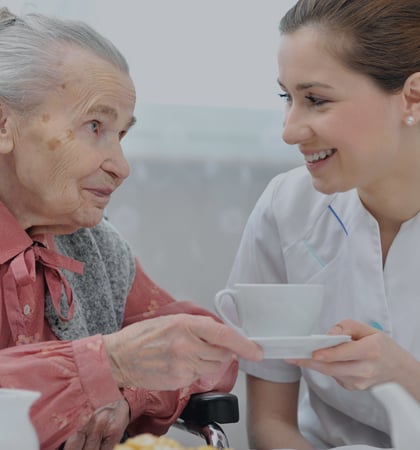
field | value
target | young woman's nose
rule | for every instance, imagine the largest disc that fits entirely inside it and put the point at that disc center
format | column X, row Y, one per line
column 295, row 128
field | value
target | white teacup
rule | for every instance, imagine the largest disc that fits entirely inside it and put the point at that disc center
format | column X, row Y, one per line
column 271, row 310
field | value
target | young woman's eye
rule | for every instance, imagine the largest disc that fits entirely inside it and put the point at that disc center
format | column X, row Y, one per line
column 94, row 126
column 286, row 97
column 315, row 100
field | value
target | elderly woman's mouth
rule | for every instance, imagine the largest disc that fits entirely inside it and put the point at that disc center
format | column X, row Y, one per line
column 101, row 197
column 104, row 193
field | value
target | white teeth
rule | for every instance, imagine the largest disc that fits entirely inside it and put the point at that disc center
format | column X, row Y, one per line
column 317, row 156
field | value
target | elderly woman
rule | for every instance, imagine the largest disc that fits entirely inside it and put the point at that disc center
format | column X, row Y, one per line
column 80, row 320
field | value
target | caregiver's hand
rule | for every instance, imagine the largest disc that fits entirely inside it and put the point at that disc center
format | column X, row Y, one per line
column 104, row 430
column 171, row 352
column 372, row 357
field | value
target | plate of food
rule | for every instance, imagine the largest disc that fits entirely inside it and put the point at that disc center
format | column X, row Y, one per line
column 149, row 441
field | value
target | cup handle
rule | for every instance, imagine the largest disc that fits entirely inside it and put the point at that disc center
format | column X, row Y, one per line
column 218, row 306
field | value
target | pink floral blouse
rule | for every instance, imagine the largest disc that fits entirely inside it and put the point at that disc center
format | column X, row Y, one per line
column 74, row 377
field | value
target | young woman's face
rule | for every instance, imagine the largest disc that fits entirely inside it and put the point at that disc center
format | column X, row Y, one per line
column 348, row 129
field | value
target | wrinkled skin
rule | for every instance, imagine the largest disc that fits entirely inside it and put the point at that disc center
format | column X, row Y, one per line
column 60, row 165
column 163, row 353
column 171, row 352
column 104, row 430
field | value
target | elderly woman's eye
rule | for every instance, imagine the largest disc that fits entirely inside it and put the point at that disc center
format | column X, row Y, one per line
column 94, row 126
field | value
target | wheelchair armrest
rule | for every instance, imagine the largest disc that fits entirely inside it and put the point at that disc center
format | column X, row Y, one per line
column 209, row 407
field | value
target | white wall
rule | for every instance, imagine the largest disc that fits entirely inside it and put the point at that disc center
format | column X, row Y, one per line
column 199, row 52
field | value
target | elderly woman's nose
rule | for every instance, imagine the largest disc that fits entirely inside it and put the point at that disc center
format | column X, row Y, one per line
column 295, row 129
column 116, row 163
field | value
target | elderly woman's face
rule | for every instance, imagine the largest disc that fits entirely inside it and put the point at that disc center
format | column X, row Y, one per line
column 68, row 158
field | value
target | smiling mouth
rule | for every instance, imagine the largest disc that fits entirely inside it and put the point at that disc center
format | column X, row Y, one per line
column 320, row 156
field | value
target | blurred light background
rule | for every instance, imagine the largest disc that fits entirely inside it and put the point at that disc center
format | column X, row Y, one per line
column 208, row 137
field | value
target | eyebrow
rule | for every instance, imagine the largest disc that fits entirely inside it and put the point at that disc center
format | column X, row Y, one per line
column 111, row 112
column 308, row 85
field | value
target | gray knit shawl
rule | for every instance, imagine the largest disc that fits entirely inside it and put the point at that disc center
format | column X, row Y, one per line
column 100, row 293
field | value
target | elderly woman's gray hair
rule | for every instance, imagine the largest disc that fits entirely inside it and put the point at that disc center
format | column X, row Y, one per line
column 30, row 48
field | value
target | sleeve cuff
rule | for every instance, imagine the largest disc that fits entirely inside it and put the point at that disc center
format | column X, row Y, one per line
column 137, row 401
column 95, row 371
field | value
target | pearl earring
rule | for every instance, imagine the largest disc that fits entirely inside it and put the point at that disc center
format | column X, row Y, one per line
column 410, row 120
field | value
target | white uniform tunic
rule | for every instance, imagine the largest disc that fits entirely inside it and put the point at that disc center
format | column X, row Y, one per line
column 297, row 235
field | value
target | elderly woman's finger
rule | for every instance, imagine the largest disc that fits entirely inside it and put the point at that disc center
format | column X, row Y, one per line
column 75, row 442
column 224, row 336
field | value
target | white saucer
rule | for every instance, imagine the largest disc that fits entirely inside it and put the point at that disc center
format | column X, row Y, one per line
column 297, row 346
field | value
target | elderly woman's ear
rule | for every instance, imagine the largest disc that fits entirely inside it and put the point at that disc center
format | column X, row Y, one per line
column 6, row 135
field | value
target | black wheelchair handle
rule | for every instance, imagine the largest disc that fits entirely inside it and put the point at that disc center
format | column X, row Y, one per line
column 208, row 407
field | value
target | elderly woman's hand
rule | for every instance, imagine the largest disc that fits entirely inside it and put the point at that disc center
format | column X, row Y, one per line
column 171, row 352
column 371, row 358
column 104, row 430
